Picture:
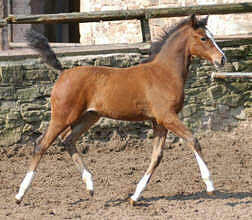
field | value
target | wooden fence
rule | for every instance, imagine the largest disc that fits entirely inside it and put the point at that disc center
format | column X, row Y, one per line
column 140, row 14
column 224, row 75
column 143, row 15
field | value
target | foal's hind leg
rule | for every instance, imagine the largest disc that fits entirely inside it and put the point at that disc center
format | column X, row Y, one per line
column 175, row 125
column 41, row 147
column 69, row 142
column 159, row 140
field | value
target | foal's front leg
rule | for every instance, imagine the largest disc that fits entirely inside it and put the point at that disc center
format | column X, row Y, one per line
column 177, row 127
column 159, row 141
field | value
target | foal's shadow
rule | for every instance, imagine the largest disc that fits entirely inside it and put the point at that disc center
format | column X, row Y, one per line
column 221, row 195
column 203, row 195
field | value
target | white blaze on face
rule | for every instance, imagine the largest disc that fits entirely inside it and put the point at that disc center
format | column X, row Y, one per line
column 210, row 36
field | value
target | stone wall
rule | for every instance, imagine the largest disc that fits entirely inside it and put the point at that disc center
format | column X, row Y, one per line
column 25, row 87
column 130, row 31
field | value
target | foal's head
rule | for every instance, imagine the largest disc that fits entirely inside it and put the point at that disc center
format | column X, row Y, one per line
column 202, row 43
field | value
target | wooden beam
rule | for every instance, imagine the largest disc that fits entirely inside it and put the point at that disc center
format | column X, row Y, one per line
column 224, row 75
column 21, row 53
column 5, row 30
column 145, row 27
column 97, row 16
column 234, row 42
column 232, row 37
column 24, row 45
column 223, row 41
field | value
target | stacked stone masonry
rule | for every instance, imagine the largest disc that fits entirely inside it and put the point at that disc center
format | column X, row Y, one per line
column 25, row 87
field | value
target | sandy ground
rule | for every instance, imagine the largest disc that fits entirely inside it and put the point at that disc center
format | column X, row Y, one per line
column 176, row 191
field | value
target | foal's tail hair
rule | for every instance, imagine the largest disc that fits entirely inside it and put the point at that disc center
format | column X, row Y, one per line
column 40, row 43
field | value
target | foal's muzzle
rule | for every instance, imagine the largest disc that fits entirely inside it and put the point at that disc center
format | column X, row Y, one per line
column 221, row 62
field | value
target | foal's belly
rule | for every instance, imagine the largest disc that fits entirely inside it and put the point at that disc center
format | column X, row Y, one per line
column 123, row 114
column 128, row 110
column 126, row 117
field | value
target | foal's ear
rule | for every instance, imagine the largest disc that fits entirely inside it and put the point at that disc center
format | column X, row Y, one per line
column 194, row 21
column 205, row 20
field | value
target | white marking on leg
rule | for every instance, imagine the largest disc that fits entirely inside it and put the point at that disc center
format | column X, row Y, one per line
column 25, row 185
column 205, row 173
column 140, row 187
column 87, row 178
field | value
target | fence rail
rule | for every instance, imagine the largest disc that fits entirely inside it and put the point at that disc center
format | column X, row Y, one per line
column 140, row 14
column 224, row 75
column 143, row 15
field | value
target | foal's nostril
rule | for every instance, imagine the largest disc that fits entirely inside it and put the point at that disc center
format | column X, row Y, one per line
column 223, row 60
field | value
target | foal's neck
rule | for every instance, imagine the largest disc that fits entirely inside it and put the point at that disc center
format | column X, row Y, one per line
column 175, row 56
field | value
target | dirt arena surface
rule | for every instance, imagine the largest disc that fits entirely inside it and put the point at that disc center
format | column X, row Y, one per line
column 176, row 190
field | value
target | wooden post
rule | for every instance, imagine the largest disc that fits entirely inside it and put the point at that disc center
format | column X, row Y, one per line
column 10, row 26
column 145, row 27
column 4, row 44
column 224, row 75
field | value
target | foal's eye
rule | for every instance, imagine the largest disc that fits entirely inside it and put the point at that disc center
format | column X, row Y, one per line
column 203, row 39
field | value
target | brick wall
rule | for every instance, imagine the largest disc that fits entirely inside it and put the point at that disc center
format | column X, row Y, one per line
column 130, row 32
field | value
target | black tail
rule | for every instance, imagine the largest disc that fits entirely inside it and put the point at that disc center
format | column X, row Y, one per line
column 40, row 43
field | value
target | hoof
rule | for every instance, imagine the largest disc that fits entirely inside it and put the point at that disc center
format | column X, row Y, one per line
column 211, row 193
column 18, row 201
column 91, row 192
column 132, row 202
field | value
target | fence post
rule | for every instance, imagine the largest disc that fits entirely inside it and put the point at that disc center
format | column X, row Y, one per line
column 4, row 38
column 145, row 27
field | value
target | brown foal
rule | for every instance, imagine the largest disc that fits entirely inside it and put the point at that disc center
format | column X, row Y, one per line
column 153, row 90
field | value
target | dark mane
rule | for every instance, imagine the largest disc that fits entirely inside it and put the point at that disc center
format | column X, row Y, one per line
column 157, row 45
